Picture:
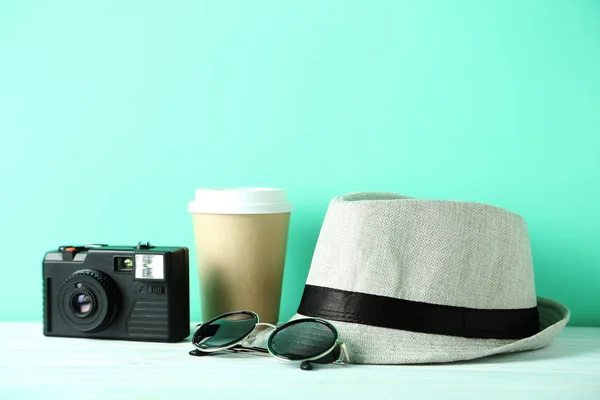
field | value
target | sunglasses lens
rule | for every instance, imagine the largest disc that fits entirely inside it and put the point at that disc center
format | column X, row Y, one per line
column 224, row 331
column 300, row 340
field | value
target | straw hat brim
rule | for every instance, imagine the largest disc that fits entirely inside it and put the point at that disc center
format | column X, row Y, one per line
column 375, row 345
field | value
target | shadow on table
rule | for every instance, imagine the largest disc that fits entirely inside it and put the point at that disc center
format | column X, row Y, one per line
column 554, row 351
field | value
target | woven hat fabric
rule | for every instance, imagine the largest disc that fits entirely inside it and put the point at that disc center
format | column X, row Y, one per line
column 441, row 253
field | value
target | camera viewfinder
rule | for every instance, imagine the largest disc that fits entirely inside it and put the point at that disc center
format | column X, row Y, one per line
column 123, row 264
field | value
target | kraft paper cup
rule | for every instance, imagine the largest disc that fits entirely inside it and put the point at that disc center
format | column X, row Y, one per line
column 240, row 237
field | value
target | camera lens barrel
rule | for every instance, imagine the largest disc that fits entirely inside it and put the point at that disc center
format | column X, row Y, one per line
column 88, row 300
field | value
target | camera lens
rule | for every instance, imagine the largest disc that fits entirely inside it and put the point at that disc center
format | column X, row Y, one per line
column 88, row 301
column 82, row 304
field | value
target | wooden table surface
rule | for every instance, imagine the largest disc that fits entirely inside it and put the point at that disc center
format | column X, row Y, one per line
column 36, row 367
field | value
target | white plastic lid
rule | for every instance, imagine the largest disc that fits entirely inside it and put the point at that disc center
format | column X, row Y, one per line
column 240, row 201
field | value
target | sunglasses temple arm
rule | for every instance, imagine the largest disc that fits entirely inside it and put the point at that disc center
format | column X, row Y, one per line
column 248, row 350
column 345, row 359
column 254, row 335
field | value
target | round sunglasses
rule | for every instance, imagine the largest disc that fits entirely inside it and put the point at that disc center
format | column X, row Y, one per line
column 305, row 340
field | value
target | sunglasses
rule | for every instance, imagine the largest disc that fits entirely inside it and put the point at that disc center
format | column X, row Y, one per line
column 306, row 340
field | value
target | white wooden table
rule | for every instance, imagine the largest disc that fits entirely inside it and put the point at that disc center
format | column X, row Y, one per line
column 35, row 367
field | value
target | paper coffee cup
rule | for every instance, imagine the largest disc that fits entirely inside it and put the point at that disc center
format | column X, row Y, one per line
column 240, row 237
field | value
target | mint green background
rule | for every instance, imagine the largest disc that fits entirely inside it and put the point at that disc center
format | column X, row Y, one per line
column 113, row 112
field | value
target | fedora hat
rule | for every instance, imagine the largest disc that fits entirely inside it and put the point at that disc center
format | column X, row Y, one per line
column 407, row 280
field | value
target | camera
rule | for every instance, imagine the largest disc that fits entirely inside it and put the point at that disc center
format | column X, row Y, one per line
column 99, row 291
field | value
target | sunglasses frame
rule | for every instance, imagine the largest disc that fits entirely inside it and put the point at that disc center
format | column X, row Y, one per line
column 230, row 346
column 344, row 357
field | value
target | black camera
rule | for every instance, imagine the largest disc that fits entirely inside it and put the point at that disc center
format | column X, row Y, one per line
column 117, row 292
